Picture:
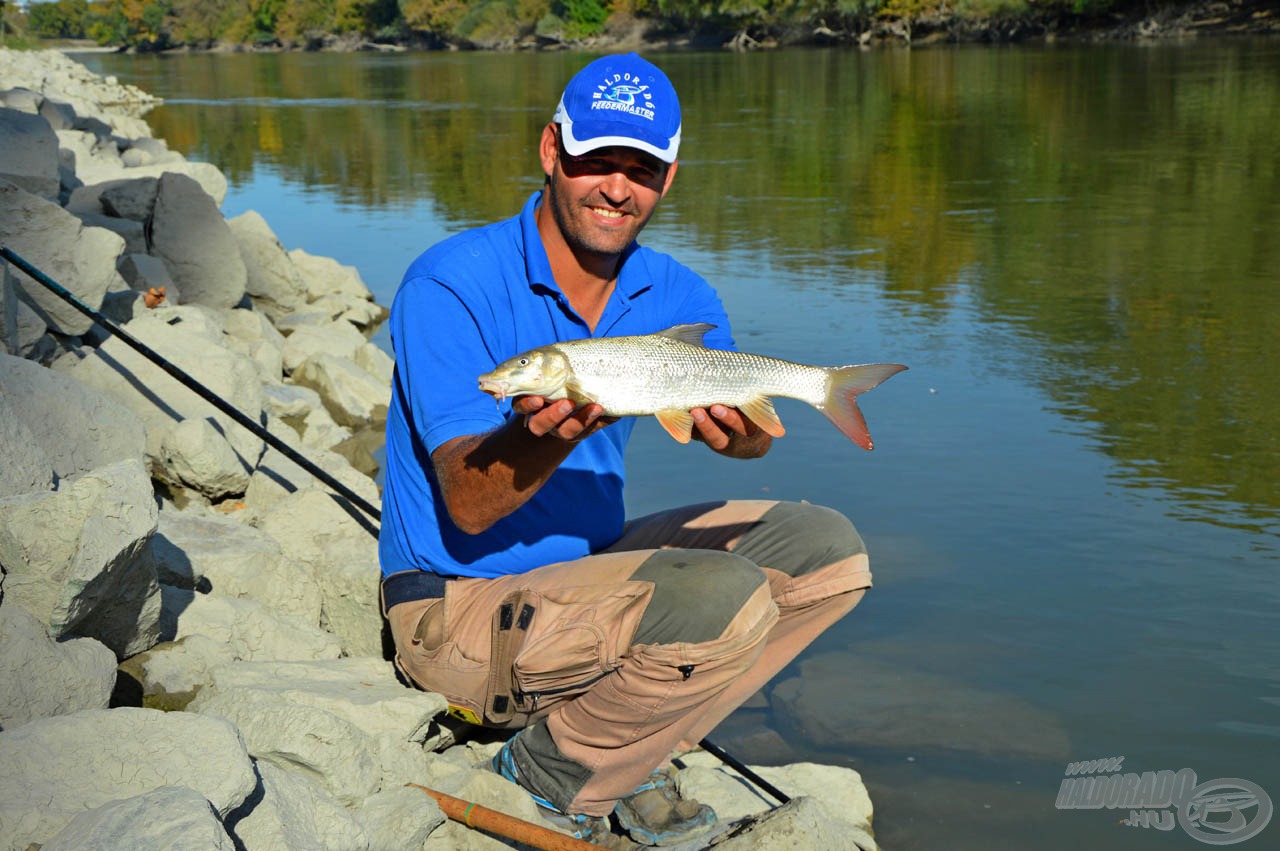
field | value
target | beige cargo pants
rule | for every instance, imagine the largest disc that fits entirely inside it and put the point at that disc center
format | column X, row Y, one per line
column 611, row 662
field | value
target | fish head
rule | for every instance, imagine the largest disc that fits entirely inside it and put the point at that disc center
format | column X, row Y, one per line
column 537, row 372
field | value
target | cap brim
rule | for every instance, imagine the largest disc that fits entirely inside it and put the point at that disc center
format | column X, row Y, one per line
column 584, row 137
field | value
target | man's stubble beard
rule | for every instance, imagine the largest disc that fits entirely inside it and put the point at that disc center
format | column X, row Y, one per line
column 573, row 220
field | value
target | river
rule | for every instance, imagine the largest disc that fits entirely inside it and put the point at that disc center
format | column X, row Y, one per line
column 1073, row 507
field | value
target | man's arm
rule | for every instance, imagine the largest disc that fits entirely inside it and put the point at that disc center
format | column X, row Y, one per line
column 485, row 477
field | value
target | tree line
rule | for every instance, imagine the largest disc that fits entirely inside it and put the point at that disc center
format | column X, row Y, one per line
column 160, row 24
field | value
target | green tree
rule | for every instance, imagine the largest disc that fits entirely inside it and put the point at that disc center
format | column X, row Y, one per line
column 63, row 19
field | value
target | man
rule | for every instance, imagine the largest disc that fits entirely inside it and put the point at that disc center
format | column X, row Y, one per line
column 512, row 582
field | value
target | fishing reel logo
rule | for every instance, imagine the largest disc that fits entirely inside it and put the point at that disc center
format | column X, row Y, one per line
column 1218, row 812
column 619, row 92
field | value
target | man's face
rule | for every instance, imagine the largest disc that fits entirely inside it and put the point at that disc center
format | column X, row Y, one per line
column 602, row 199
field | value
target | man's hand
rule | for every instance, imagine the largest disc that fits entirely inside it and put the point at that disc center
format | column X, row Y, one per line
column 559, row 418
column 730, row 433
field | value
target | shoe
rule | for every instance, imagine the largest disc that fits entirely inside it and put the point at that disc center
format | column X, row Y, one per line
column 594, row 829
column 657, row 814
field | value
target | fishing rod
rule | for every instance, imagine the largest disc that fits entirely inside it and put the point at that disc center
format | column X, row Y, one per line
column 289, row 452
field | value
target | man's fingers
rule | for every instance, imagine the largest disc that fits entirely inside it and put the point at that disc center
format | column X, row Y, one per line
column 561, row 420
column 709, row 429
column 732, row 418
column 527, row 404
column 546, row 420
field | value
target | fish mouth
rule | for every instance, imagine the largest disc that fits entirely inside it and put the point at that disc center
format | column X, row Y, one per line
column 496, row 389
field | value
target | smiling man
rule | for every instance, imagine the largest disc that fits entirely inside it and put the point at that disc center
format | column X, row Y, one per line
column 512, row 581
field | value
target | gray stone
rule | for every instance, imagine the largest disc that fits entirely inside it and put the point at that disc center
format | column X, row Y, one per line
column 211, row 180
column 314, row 528
column 352, row 396
column 124, row 306
column 351, row 606
column 194, row 454
column 79, row 428
column 135, row 240
column 227, row 558
column 172, row 673
column 78, row 558
column 274, row 284
column 21, row 99
column 130, row 199
column 59, row 115
column 294, row 811
column 319, row 430
column 56, row 768
column 143, row 272
column 400, row 819
column 290, row 402
column 40, row 678
column 30, row 153
column 276, row 477
column 304, row 317
column 94, row 160
column 326, row 276
column 803, row 823
column 365, row 315
column 24, row 466
column 171, row 818
column 193, row 239
column 20, row 326
column 251, row 630
column 376, row 362
column 898, row 709
column 339, row 339
column 189, row 339
column 55, row 242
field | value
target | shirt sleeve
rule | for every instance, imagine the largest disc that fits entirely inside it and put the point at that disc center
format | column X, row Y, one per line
column 440, row 352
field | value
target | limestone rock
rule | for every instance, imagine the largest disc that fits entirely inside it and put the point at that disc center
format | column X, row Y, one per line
column 21, row 99
column 336, row 338
column 315, row 528
column 20, row 327
column 319, row 431
column 122, row 307
column 79, row 428
column 276, row 477
column 303, row 318
column 248, row 628
column 135, row 239
column 290, row 403
column 79, row 558
column 193, row 239
column 184, row 339
column 274, row 283
column 59, row 115
column 143, row 272
column 351, row 606
column 195, row 454
column 803, row 823
column 30, row 153
column 100, row 166
column 897, row 709
column 40, row 678
column 24, row 466
column 130, row 199
column 400, row 819
column 51, row 239
column 55, row 768
column 376, row 362
column 172, row 673
column 229, row 559
column 325, row 276
column 733, row 798
column 171, row 818
column 295, row 811
column 365, row 315
column 94, row 160
column 352, row 396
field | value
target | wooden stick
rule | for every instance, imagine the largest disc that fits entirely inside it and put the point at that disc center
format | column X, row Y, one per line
column 477, row 817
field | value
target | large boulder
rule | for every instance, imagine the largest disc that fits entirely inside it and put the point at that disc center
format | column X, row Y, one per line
column 320, row 530
column 193, row 239
column 83, row 260
column 21, row 328
column 40, row 678
column 78, row 427
column 229, row 559
column 325, row 276
column 130, row 199
column 56, row 768
column 295, row 811
column 250, row 333
column 30, row 148
column 79, row 558
column 187, row 338
column 803, row 823
column 251, row 630
column 24, row 466
column 339, row 339
column 401, row 817
column 274, row 284
column 352, row 396
column 133, row 233
column 172, row 673
column 194, row 454
column 171, row 818
column 351, row 606
column 92, row 159
column 276, row 477
column 143, row 272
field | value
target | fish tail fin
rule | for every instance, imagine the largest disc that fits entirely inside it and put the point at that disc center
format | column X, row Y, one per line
column 841, row 404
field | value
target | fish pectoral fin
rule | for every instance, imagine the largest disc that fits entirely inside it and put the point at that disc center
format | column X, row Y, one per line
column 760, row 411
column 678, row 423
column 691, row 334
column 577, row 394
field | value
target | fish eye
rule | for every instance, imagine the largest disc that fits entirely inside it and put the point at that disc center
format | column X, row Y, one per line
column 523, row 361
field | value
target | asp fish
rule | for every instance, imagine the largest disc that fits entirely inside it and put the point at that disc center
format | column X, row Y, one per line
column 668, row 373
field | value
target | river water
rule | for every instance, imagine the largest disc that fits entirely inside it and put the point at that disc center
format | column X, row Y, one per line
column 1073, row 508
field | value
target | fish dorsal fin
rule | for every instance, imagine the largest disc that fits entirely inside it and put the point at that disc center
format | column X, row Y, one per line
column 677, row 422
column 760, row 411
column 691, row 334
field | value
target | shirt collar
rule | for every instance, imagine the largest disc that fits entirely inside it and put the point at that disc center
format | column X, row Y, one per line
column 632, row 272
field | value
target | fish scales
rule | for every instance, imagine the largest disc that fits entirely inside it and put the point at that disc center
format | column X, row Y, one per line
column 642, row 375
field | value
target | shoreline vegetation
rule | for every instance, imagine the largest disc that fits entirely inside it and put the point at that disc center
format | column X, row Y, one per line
column 612, row 25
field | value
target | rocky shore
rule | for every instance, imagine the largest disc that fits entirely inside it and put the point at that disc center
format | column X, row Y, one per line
column 191, row 653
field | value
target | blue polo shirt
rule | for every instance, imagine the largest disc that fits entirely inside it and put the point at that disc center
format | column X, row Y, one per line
column 464, row 306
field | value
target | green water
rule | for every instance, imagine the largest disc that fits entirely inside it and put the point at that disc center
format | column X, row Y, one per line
column 1074, row 504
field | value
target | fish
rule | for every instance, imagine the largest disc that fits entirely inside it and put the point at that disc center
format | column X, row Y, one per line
column 668, row 373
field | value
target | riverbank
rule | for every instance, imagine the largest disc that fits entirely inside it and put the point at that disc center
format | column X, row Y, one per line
column 190, row 643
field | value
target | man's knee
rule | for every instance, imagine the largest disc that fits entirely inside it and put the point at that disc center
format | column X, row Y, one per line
column 799, row 538
column 696, row 595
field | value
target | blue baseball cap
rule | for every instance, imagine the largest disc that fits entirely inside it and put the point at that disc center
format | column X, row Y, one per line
column 620, row 100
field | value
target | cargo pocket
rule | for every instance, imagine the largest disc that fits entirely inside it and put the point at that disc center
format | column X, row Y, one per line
column 436, row 664
column 576, row 637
